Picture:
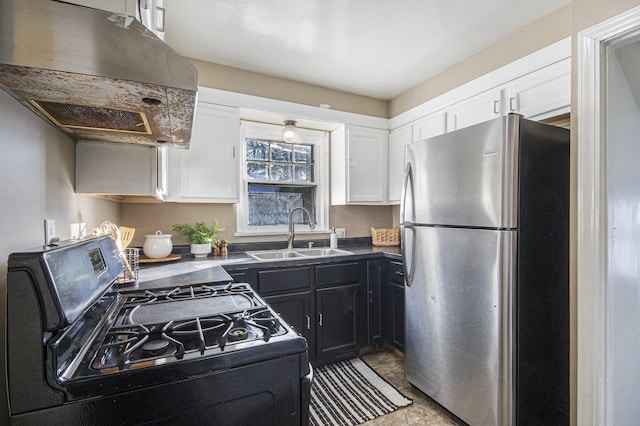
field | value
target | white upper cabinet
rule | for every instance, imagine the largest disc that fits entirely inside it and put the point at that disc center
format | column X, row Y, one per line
column 424, row 128
column 152, row 16
column 398, row 139
column 427, row 127
column 541, row 94
column 476, row 109
column 359, row 165
column 208, row 171
column 126, row 173
column 149, row 12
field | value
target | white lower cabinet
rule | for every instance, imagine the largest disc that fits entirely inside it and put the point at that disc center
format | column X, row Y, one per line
column 208, row 171
column 359, row 165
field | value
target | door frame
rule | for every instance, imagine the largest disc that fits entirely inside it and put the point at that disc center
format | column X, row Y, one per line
column 592, row 396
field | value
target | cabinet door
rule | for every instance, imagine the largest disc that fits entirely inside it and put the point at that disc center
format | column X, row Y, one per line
column 284, row 280
column 398, row 139
column 208, row 171
column 119, row 169
column 295, row 310
column 375, row 276
column 427, row 127
column 477, row 109
column 543, row 93
column 337, row 320
column 367, row 165
column 394, row 315
column 393, row 312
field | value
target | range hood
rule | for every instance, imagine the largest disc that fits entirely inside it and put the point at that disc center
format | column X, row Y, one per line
column 95, row 75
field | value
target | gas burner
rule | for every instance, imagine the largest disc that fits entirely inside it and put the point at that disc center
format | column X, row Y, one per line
column 154, row 347
column 168, row 323
column 181, row 293
column 238, row 333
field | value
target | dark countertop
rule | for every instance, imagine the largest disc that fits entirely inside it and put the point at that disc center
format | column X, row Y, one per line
column 189, row 270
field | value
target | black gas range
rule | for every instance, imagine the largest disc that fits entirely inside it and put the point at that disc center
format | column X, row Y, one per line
column 79, row 351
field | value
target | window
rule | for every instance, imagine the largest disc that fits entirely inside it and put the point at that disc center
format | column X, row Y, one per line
column 279, row 176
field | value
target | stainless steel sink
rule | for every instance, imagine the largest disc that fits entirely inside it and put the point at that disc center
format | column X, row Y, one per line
column 315, row 252
column 296, row 253
column 274, row 254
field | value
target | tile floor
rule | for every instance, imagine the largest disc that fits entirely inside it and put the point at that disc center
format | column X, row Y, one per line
column 423, row 412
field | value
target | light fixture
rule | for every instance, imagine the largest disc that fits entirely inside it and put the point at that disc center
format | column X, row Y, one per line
column 290, row 131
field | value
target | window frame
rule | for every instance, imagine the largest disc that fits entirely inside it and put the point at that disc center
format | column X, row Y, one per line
column 320, row 142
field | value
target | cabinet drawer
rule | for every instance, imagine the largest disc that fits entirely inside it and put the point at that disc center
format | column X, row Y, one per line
column 337, row 274
column 396, row 273
column 282, row 280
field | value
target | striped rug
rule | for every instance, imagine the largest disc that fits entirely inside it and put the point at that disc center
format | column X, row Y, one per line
column 349, row 392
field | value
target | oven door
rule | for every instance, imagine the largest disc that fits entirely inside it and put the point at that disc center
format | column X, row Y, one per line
column 272, row 392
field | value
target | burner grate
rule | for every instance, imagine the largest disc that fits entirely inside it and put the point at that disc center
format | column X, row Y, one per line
column 171, row 323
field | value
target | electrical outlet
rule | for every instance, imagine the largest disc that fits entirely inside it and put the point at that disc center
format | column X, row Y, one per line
column 342, row 232
column 49, row 231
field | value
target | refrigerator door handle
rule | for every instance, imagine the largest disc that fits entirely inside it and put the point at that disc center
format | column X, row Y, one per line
column 408, row 265
column 405, row 226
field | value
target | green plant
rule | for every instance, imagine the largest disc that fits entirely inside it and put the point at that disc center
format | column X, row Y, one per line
column 199, row 233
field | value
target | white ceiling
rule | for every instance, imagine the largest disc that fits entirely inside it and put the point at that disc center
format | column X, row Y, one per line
column 377, row 48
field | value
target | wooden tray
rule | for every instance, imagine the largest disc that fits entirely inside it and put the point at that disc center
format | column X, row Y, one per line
column 170, row 258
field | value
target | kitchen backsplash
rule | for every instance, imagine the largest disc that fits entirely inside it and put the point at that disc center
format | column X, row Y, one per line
column 148, row 218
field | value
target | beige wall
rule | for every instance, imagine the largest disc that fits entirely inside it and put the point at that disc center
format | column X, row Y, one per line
column 236, row 80
column 533, row 37
column 37, row 169
column 147, row 218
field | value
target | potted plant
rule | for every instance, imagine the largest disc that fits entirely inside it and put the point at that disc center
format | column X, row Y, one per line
column 199, row 236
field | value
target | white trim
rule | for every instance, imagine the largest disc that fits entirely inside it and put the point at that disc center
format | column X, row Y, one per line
column 544, row 57
column 332, row 118
column 592, row 288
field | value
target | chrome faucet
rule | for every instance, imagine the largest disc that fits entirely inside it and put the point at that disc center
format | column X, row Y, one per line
column 292, row 232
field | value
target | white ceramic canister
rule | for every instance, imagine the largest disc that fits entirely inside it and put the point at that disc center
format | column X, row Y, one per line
column 158, row 245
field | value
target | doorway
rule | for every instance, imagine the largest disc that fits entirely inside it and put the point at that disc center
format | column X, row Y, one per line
column 608, row 292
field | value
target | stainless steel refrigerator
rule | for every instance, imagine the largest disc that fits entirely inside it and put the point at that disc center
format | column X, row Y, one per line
column 485, row 227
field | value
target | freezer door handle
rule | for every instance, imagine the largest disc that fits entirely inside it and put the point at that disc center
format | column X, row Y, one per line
column 407, row 195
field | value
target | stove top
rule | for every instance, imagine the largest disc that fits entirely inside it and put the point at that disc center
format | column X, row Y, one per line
column 169, row 326
column 166, row 325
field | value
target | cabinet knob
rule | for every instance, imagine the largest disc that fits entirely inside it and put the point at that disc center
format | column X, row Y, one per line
column 308, row 322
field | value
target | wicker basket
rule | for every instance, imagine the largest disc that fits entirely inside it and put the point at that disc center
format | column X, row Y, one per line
column 385, row 237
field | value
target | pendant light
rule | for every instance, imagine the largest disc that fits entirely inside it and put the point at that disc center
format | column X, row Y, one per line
column 290, row 131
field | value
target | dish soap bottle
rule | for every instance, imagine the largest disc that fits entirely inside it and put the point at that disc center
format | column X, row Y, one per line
column 333, row 239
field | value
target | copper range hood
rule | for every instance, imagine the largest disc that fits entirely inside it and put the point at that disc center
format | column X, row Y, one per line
column 95, row 75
